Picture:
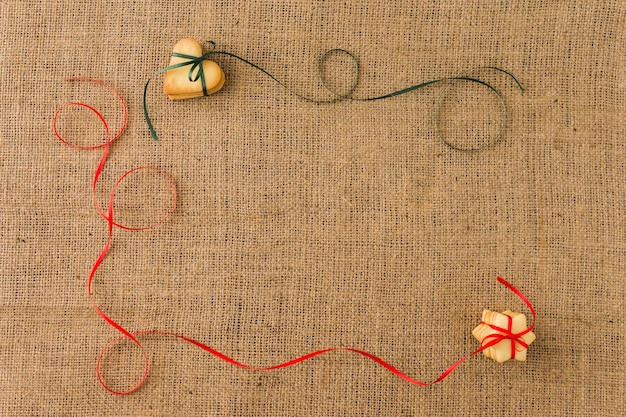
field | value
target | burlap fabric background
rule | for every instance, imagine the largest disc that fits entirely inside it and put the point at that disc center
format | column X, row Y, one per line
column 303, row 226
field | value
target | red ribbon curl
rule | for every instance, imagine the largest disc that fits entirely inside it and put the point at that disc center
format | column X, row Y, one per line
column 487, row 342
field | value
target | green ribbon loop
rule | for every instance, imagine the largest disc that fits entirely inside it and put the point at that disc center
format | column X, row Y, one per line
column 196, row 72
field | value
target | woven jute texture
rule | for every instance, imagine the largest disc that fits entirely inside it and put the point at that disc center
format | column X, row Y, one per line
column 302, row 226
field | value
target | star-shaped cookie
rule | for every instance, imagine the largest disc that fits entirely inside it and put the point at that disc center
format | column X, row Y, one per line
column 505, row 334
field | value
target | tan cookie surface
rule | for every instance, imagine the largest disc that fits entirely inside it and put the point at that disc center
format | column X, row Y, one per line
column 501, row 352
column 177, row 85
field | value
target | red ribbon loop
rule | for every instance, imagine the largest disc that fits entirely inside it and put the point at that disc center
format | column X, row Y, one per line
column 108, row 215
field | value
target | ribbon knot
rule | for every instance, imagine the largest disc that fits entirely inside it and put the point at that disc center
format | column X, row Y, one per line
column 196, row 71
column 505, row 334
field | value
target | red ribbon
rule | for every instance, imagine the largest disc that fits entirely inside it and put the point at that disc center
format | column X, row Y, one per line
column 506, row 334
column 108, row 216
column 487, row 342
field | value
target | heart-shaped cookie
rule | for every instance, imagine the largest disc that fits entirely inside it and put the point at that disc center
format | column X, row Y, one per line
column 177, row 85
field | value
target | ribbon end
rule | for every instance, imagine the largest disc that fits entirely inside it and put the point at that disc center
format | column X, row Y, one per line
column 145, row 112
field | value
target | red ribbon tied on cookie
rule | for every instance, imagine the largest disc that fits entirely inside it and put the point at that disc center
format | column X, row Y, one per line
column 504, row 335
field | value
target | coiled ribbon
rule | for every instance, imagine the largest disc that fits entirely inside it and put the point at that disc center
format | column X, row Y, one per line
column 196, row 73
column 133, row 336
column 108, row 214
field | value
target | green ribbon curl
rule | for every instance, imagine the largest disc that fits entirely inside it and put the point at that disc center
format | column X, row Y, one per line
column 196, row 73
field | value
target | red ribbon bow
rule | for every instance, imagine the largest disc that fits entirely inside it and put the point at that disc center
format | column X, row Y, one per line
column 505, row 334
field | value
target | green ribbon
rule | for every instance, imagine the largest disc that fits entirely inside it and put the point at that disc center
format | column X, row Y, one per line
column 196, row 72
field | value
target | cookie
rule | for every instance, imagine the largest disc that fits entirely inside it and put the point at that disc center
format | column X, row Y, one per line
column 511, row 323
column 177, row 85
